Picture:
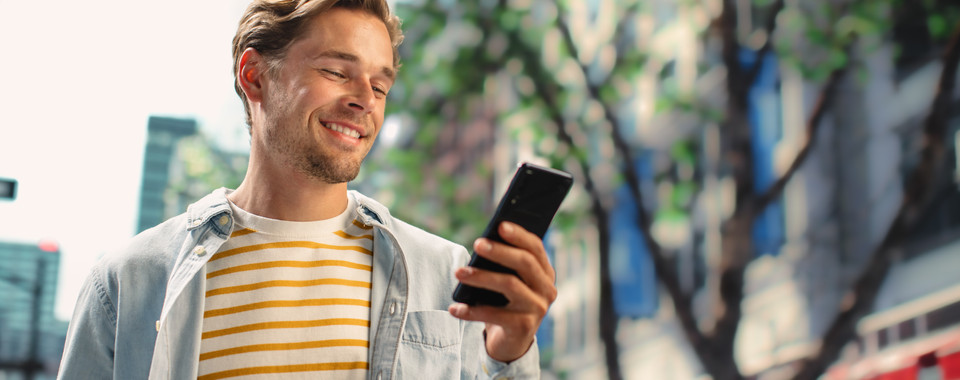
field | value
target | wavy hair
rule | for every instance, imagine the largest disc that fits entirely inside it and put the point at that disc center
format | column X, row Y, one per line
column 271, row 26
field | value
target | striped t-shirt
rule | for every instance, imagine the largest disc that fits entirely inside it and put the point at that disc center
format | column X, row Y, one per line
column 289, row 299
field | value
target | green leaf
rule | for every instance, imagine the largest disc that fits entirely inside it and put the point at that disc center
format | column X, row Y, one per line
column 817, row 36
column 838, row 59
column 683, row 194
column 937, row 25
column 682, row 152
column 608, row 94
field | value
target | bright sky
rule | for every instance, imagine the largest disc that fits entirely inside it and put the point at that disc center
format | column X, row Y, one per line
column 80, row 79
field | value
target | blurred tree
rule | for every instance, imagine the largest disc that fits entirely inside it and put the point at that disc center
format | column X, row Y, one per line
column 561, row 82
column 199, row 167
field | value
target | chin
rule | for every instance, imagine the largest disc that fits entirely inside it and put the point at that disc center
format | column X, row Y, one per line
column 332, row 172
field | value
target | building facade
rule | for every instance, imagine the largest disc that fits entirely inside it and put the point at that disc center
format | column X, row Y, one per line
column 180, row 166
column 31, row 337
column 163, row 135
column 809, row 246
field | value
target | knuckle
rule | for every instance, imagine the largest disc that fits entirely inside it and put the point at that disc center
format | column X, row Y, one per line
column 528, row 261
column 529, row 323
column 540, row 309
column 552, row 294
column 514, row 284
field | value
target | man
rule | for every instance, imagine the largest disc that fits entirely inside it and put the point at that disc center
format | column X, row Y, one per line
column 291, row 275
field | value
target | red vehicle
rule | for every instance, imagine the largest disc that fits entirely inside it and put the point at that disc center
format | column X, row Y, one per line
column 918, row 340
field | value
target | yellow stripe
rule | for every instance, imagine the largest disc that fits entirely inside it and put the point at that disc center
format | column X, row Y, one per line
column 286, row 325
column 287, row 283
column 285, row 369
column 288, row 264
column 245, row 231
column 284, row 347
column 287, row 244
column 348, row 236
column 361, row 225
column 286, row 303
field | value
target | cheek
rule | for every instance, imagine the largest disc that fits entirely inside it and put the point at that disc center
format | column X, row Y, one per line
column 378, row 122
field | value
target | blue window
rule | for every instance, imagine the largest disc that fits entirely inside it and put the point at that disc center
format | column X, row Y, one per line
column 765, row 117
column 631, row 268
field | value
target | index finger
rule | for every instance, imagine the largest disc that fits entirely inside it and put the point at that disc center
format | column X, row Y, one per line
column 519, row 237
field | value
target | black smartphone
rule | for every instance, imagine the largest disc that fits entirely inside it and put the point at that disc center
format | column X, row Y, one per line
column 531, row 201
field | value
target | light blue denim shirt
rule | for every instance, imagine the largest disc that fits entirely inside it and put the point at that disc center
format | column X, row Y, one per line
column 140, row 310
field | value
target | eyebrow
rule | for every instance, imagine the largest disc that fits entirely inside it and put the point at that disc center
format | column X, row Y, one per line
column 336, row 54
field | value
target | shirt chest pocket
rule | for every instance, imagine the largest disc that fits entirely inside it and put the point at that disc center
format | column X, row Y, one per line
column 430, row 346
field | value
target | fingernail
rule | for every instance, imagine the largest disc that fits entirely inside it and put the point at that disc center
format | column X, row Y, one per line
column 467, row 271
column 458, row 310
column 481, row 245
column 508, row 227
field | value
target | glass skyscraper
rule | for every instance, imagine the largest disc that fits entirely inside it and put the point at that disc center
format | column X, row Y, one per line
column 163, row 134
column 31, row 338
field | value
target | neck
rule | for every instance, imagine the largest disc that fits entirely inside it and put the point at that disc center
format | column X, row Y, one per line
column 288, row 195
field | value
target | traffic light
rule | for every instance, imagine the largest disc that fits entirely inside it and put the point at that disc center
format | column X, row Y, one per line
column 8, row 189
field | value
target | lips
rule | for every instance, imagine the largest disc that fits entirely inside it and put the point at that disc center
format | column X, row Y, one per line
column 343, row 129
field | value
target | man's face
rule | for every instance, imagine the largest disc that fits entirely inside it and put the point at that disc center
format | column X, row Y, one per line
column 324, row 107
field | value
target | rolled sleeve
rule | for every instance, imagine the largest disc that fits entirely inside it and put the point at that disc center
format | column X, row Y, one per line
column 525, row 367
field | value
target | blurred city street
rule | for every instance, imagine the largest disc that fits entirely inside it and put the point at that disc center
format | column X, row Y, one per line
column 764, row 189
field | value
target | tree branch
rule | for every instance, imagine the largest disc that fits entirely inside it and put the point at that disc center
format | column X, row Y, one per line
column 917, row 193
column 682, row 302
column 546, row 87
column 628, row 13
column 630, row 171
column 824, row 100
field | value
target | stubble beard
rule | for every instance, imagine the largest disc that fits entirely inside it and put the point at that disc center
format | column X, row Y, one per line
column 325, row 165
column 328, row 169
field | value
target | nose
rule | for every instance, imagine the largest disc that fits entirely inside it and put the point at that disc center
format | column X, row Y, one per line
column 361, row 97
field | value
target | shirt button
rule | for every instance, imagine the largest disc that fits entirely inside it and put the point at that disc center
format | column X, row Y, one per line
column 224, row 220
column 393, row 308
column 196, row 222
column 158, row 325
column 200, row 251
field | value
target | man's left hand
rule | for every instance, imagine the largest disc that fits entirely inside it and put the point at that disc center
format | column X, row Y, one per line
column 510, row 329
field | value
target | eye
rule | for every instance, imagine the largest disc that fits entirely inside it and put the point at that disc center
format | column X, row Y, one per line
column 380, row 90
column 334, row 73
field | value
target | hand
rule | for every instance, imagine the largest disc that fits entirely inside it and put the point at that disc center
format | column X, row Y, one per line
column 510, row 329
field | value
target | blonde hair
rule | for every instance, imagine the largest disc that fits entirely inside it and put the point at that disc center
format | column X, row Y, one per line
column 271, row 26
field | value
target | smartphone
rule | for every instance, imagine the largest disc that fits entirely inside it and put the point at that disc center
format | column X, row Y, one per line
column 531, row 201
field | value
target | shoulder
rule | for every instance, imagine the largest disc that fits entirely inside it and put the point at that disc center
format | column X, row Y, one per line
column 412, row 239
column 141, row 265
column 154, row 251
column 149, row 253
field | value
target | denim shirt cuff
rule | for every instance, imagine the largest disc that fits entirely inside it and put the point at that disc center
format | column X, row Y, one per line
column 525, row 367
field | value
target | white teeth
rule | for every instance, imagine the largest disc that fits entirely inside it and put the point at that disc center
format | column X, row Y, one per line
column 344, row 130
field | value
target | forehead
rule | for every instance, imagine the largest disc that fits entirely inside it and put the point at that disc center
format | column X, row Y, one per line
column 350, row 31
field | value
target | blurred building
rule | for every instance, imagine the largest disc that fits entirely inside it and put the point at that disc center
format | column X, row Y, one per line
column 163, row 134
column 180, row 166
column 31, row 338
column 839, row 208
column 810, row 245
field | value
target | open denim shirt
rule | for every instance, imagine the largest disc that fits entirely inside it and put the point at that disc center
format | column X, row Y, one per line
column 140, row 311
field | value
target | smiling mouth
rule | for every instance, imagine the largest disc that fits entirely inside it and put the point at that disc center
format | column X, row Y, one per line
column 341, row 129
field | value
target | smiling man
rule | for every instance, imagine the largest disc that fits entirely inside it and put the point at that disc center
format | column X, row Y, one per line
column 292, row 275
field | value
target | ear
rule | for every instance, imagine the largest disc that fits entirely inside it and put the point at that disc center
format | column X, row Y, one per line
column 249, row 74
